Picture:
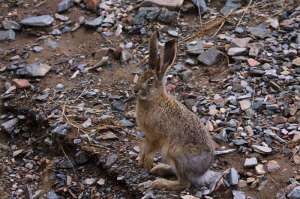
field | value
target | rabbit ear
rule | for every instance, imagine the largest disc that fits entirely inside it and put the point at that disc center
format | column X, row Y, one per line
column 153, row 50
column 167, row 56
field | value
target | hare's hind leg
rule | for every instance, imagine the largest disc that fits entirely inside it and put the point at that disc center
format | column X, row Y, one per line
column 172, row 185
column 162, row 170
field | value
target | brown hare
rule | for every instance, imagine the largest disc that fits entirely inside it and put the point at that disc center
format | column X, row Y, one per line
column 170, row 127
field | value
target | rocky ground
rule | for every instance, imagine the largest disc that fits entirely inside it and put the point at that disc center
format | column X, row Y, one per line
column 67, row 113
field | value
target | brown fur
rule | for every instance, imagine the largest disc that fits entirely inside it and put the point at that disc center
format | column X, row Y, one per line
column 169, row 126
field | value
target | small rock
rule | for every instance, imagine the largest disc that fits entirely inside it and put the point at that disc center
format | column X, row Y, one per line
column 296, row 159
column 89, row 181
column 7, row 35
column 236, row 51
column 111, row 160
column 233, row 177
column 34, row 70
column 259, row 31
column 167, row 16
column 101, row 182
column 52, row 195
column 272, row 166
column 37, row 49
column 81, row 158
column 126, row 123
column 230, row 6
column 252, row 62
column 274, row 23
column 262, row 149
column 38, row 21
column 188, row 197
column 61, row 129
column 210, row 56
column 195, row 47
column 64, row 5
column 9, row 125
column 21, row 83
column 238, row 194
column 94, row 22
column 295, row 193
column 259, row 169
column 245, row 104
column 108, row 136
column 241, row 42
column 87, row 123
column 186, row 75
column 10, row 25
column 250, row 162
column 173, row 32
column 296, row 62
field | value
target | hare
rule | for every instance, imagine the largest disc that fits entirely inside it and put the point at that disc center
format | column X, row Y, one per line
column 169, row 126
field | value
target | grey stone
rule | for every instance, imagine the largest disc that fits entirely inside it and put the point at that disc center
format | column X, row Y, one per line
column 241, row 42
column 38, row 21
column 110, row 160
column 9, row 125
column 61, row 129
column 37, row 49
column 167, row 16
column 186, row 75
column 52, row 195
column 260, row 31
column 34, row 70
column 146, row 13
column 233, row 177
column 195, row 47
column 262, row 149
column 295, row 193
column 11, row 25
column 126, row 123
column 7, row 35
column 238, row 194
column 64, row 5
column 230, row 6
column 236, row 51
column 210, row 56
column 201, row 5
column 250, row 162
column 94, row 22
column 81, row 158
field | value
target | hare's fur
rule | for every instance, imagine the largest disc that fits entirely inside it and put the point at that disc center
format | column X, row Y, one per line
column 169, row 126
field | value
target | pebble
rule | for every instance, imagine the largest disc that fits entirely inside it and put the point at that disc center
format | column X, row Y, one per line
column 210, row 56
column 34, row 70
column 241, row 42
column 195, row 47
column 64, row 5
column 89, row 181
column 101, row 182
column 38, row 21
column 295, row 193
column 233, row 177
column 9, row 125
column 250, row 162
column 11, row 25
column 37, row 49
column 238, row 194
column 107, row 136
column 259, row 31
column 7, row 35
column 259, row 169
column 21, row 83
column 236, row 51
column 230, row 6
column 262, row 149
column 245, row 104
column 273, row 166
column 296, row 61
column 94, row 22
